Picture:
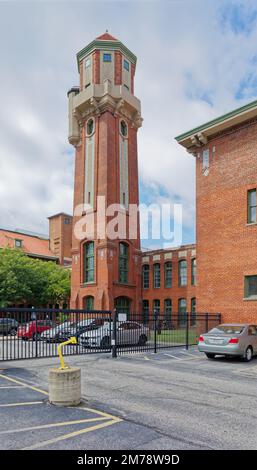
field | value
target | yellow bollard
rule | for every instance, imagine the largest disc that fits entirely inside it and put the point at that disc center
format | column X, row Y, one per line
column 72, row 340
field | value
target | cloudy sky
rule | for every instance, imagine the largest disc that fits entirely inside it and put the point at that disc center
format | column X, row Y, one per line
column 196, row 60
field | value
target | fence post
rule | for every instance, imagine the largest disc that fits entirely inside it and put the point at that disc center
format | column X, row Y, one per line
column 114, row 334
column 187, row 330
column 206, row 322
column 155, row 315
column 36, row 336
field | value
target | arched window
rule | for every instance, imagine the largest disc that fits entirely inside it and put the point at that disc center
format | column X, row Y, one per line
column 182, row 272
column 156, row 276
column 167, row 312
column 122, row 305
column 182, row 309
column 193, row 272
column 123, row 263
column 89, row 262
column 88, row 302
column 145, row 276
column 193, row 311
column 168, row 274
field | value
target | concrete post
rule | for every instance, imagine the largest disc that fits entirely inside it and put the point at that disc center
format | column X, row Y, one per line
column 65, row 386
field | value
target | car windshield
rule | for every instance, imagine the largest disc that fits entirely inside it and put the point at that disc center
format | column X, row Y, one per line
column 227, row 329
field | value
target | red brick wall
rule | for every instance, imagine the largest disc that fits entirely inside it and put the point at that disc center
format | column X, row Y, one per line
column 118, row 68
column 96, row 67
column 226, row 245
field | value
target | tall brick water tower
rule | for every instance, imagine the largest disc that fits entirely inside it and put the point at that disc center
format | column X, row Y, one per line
column 104, row 116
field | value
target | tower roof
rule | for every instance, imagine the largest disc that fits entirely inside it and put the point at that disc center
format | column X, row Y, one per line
column 106, row 37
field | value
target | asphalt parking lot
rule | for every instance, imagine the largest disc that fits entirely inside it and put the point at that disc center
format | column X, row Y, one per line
column 175, row 399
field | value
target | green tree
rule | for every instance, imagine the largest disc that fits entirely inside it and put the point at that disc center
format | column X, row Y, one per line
column 32, row 281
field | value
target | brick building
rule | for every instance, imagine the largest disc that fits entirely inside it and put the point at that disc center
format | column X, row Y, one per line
column 226, row 181
column 56, row 247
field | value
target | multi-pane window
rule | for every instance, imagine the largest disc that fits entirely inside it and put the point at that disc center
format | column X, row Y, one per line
column 251, row 203
column 167, row 310
column 145, row 311
column 107, row 57
column 168, row 274
column 126, row 65
column 122, row 305
column 156, row 306
column 182, row 308
column 156, row 275
column 145, row 276
column 193, row 311
column 182, row 272
column 123, row 263
column 89, row 262
column 89, row 302
column 193, row 272
column 251, row 286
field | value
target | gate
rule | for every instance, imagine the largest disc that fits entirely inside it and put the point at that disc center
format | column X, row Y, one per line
column 36, row 333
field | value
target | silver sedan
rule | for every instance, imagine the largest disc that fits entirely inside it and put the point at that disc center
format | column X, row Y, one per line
column 230, row 340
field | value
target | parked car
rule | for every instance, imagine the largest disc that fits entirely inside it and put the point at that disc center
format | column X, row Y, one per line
column 128, row 332
column 230, row 340
column 8, row 326
column 56, row 334
column 33, row 329
column 77, row 329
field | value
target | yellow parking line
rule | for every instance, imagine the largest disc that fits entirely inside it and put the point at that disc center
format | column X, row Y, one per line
column 21, row 404
column 53, row 425
column 71, row 435
column 36, row 389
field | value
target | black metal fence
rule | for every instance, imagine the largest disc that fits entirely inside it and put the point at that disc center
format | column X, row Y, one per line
column 35, row 333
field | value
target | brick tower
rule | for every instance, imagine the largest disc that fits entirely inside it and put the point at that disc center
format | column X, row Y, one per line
column 104, row 116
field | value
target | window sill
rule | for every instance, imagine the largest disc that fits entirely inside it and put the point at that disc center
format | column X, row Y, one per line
column 85, row 284
column 253, row 297
column 249, row 224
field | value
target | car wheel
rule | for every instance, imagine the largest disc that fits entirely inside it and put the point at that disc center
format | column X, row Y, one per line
column 105, row 342
column 210, row 355
column 142, row 340
column 248, row 354
column 13, row 332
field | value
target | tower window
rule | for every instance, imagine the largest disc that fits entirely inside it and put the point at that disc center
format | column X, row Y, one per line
column 123, row 263
column 126, row 65
column 89, row 262
column 123, row 128
column 251, row 202
column 67, row 221
column 90, row 127
column 107, row 57
column 87, row 63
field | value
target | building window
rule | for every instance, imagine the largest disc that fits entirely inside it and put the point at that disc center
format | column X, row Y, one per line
column 122, row 305
column 167, row 312
column 251, row 200
column 88, row 302
column 126, row 65
column 182, row 308
column 193, row 272
column 168, row 274
column 87, row 63
column 145, row 311
column 156, row 306
column 145, row 276
column 156, row 276
column 18, row 243
column 123, row 263
column 182, row 272
column 107, row 57
column 90, row 127
column 67, row 221
column 251, row 286
column 89, row 262
column 206, row 154
column 123, row 128
column 193, row 311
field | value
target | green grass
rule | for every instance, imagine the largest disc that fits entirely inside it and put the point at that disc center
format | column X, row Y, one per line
column 175, row 336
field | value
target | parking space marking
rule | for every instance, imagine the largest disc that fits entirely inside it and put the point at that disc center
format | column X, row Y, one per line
column 36, row 389
column 11, row 386
column 53, row 425
column 174, row 357
column 72, row 434
column 6, row 405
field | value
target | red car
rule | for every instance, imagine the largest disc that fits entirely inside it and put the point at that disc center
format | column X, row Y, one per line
column 33, row 329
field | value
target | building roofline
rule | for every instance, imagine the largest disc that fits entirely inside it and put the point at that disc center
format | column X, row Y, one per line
column 58, row 214
column 221, row 123
column 167, row 250
column 105, row 45
column 41, row 237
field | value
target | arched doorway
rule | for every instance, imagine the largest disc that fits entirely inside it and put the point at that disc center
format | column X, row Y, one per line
column 122, row 305
column 88, row 302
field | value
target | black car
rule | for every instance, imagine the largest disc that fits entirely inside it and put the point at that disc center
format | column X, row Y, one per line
column 8, row 326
